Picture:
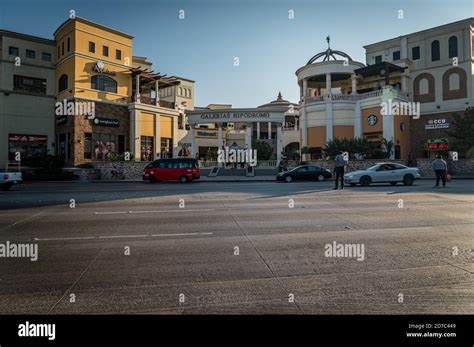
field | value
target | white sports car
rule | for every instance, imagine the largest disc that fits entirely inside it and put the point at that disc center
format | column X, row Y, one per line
column 383, row 173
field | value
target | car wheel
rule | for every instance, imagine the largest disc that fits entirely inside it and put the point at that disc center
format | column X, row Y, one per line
column 152, row 179
column 408, row 180
column 288, row 179
column 352, row 184
column 320, row 178
column 183, row 179
column 365, row 181
column 393, row 183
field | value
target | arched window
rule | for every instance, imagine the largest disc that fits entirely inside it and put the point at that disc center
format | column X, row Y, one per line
column 424, row 86
column 453, row 46
column 454, row 84
column 454, row 81
column 435, row 50
column 62, row 84
column 104, row 83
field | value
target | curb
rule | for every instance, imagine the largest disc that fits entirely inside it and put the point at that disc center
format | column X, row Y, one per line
column 210, row 180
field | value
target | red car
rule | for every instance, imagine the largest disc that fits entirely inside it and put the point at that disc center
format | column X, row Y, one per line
column 178, row 169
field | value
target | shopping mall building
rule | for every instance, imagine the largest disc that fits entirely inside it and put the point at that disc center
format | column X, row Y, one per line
column 406, row 94
column 344, row 98
column 150, row 115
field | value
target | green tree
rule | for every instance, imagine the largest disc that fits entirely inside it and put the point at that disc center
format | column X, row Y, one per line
column 462, row 134
column 264, row 150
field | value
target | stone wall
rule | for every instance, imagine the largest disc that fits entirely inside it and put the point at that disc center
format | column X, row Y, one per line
column 126, row 170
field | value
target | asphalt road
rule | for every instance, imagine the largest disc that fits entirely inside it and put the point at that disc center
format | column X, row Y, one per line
column 238, row 248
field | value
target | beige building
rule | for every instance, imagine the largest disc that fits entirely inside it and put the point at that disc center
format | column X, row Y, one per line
column 439, row 68
column 27, row 90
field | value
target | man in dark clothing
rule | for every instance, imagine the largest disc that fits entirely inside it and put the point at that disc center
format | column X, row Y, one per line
column 281, row 166
column 440, row 167
column 341, row 163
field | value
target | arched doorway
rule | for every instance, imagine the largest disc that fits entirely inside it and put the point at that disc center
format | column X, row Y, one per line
column 291, row 151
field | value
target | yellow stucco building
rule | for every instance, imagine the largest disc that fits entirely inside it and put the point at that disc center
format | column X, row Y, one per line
column 119, row 94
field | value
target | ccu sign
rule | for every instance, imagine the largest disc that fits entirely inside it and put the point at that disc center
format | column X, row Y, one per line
column 436, row 124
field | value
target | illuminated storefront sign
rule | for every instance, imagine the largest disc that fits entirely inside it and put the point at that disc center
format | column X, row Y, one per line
column 236, row 115
column 436, row 144
column 436, row 124
column 106, row 122
column 206, row 133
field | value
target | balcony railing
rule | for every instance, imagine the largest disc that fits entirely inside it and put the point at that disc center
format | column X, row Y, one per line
column 351, row 97
column 152, row 101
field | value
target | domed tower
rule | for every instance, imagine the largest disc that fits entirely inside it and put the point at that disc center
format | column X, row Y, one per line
column 328, row 85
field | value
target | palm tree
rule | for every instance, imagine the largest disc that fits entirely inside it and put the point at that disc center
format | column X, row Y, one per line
column 388, row 145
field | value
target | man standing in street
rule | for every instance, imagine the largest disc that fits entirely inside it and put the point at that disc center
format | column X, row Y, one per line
column 440, row 168
column 341, row 163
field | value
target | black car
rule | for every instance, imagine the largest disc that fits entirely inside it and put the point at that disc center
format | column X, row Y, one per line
column 305, row 172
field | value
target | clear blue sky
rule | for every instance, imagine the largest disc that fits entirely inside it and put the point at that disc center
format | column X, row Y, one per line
column 270, row 46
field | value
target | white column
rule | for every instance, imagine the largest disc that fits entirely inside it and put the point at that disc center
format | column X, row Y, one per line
column 304, row 130
column 354, row 84
column 404, row 48
column 269, row 130
column 157, row 96
column 305, row 88
column 403, row 83
column 328, row 85
column 301, row 91
column 329, row 118
column 357, row 120
column 329, row 121
column 248, row 137
column 258, row 130
column 279, row 142
column 193, row 141
column 220, row 142
column 137, row 90
column 387, row 120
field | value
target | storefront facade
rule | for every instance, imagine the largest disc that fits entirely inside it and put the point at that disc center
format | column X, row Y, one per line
column 124, row 118
column 26, row 96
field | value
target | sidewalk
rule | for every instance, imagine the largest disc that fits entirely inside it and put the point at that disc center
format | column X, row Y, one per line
column 202, row 179
column 240, row 179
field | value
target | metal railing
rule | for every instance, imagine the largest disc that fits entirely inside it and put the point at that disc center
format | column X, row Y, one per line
column 351, row 97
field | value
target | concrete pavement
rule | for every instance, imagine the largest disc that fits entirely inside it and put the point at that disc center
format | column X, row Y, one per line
column 238, row 248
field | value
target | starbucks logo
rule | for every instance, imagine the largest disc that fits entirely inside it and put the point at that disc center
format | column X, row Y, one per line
column 372, row 119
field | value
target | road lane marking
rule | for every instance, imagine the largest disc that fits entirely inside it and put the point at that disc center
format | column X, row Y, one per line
column 155, row 211
column 179, row 234
column 117, row 212
column 65, row 238
column 23, row 220
column 116, row 236
column 120, row 236
column 180, row 210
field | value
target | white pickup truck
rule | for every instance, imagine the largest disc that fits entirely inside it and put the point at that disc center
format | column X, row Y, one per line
column 8, row 179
